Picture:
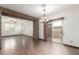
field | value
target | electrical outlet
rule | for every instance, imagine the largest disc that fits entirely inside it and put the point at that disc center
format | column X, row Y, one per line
column 71, row 41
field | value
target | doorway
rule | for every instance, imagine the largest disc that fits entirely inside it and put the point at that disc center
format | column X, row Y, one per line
column 55, row 31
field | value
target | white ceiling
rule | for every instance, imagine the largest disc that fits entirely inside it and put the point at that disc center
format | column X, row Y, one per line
column 35, row 9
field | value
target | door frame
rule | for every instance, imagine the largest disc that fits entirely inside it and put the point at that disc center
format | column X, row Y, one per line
column 61, row 31
column 56, row 19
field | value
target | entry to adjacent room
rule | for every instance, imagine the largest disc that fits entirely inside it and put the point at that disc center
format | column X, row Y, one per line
column 55, row 31
column 14, row 26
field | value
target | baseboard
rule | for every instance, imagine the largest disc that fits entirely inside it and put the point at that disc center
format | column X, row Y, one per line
column 12, row 35
column 18, row 35
column 71, row 46
column 27, row 35
column 42, row 39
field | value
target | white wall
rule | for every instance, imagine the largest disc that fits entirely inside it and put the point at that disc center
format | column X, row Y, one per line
column 21, row 27
column 70, row 25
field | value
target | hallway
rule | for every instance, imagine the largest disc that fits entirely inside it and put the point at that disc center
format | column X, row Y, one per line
column 24, row 45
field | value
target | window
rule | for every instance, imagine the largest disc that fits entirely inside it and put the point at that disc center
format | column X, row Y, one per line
column 9, row 26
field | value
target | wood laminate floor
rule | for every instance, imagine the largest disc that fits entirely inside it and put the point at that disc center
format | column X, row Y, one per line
column 24, row 45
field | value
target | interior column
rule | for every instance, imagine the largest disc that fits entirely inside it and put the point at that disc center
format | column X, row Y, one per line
column 0, row 31
column 36, row 29
column 45, row 31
